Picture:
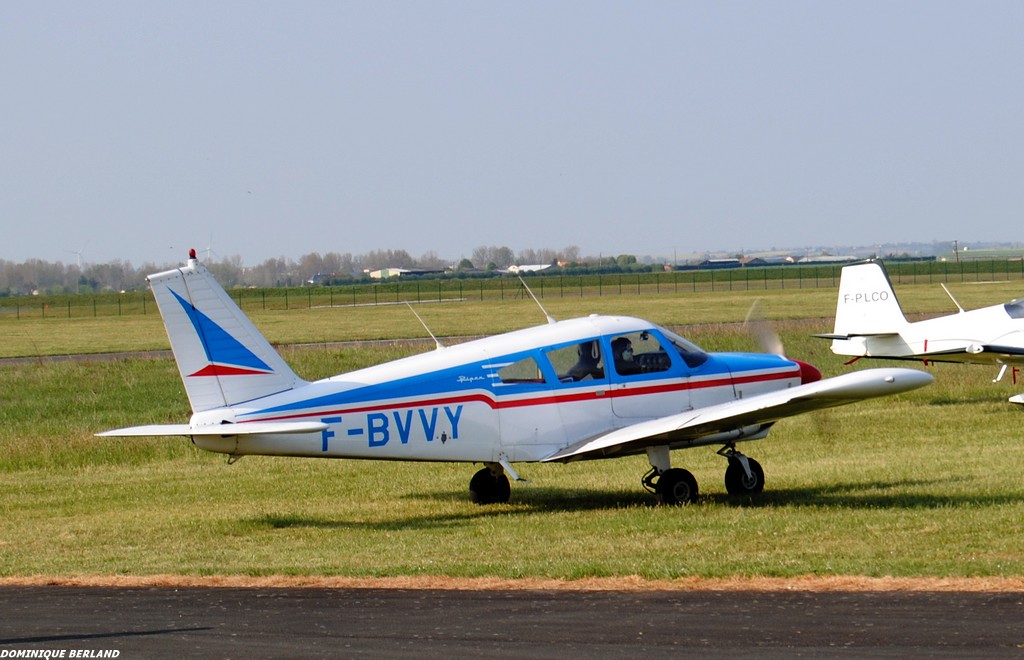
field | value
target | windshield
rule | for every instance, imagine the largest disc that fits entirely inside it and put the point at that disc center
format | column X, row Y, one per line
column 692, row 355
column 1015, row 308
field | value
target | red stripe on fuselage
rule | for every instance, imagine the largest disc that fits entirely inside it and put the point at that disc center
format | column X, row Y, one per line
column 548, row 399
column 227, row 370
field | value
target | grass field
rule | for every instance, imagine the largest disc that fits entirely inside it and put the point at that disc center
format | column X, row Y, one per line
column 924, row 484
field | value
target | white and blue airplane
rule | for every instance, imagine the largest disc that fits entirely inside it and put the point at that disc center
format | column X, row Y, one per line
column 586, row 388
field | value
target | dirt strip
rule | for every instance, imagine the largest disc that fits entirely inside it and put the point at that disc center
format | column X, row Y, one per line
column 764, row 584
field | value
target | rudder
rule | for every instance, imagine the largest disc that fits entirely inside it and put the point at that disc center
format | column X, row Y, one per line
column 222, row 358
column 867, row 304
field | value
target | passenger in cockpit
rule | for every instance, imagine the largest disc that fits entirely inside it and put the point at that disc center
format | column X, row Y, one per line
column 589, row 364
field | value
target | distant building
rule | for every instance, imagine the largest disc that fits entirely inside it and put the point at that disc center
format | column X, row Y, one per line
column 826, row 259
column 525, row 268
column 385, row 273
column 710, row 264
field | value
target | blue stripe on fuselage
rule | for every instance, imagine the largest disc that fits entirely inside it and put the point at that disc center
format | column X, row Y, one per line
column 477, row 380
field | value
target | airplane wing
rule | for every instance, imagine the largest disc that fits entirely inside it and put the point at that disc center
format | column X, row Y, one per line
column 744, row 413
column 1009, row 351
column 248, row 428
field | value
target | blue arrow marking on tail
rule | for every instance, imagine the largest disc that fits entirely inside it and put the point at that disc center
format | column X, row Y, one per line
column 221, row 348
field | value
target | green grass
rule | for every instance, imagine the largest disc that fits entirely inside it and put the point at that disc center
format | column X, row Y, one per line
column 924, row 484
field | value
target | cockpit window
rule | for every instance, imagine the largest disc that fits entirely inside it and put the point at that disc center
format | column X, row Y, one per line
column 1015, row 308
column 524, row 371
column 578, row 362
column 639, row 353
column 692, row 355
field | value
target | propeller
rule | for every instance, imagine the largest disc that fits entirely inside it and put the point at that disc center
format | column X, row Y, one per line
column 770, row 342
column 762, row 332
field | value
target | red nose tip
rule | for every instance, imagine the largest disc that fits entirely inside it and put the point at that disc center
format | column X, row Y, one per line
column 808, row 373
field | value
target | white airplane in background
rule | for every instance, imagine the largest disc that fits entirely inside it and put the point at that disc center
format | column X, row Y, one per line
column 870, row 323
column 587, row 388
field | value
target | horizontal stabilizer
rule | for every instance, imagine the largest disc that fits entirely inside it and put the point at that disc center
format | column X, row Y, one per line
column 249, row 428
column 857, row 334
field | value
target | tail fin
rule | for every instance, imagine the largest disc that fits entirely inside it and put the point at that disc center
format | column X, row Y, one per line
column 223, row 359
column 867, row 305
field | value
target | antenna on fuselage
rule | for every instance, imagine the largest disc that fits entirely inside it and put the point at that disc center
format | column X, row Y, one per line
column 943, row 285
column 437, row 343
column 550, row 318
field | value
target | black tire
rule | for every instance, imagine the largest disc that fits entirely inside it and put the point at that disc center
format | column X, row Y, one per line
column 676, row 486
column 738, row 483
column 485, row 488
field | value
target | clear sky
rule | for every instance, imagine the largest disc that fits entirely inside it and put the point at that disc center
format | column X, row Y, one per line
column 134, row 130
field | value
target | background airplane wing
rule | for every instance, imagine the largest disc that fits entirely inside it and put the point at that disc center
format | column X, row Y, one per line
column 1009, row 351
column 763, row 409
column 248, row 428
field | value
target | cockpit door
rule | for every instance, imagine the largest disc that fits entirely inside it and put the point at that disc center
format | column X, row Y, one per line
column 648, row 377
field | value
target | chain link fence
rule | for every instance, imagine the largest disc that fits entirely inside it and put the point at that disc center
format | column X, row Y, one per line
column 508, row 288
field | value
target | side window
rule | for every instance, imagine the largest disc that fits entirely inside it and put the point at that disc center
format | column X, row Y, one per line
column 639, row 353
column 524, row 371
column 577, row 362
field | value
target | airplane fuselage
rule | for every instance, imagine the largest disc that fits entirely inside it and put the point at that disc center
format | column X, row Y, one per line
column 506, row 398
column 973, row 337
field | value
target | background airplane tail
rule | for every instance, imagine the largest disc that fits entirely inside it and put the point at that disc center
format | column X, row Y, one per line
column 223, row 359
column 867, row 305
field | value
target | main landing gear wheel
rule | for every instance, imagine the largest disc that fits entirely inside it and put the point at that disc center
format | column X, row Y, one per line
column 676, row 486
column 739, row 483
column 490, row 486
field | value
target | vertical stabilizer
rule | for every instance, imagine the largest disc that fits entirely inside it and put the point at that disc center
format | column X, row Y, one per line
column 867, row 305
column 223, row 359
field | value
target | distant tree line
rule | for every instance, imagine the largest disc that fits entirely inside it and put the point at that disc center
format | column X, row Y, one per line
column 43, row 277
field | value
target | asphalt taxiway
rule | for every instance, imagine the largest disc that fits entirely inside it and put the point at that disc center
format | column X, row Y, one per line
column 219, row 622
